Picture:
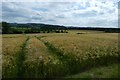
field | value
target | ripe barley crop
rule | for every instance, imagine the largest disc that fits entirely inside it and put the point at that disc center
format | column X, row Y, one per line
column 56, row 55
column 81, row 45
column 39, row 63
column 10, row 47
column 88, row 49
column 0, row 56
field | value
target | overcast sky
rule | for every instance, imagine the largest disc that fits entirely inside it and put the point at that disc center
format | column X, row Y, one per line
column 88, row 13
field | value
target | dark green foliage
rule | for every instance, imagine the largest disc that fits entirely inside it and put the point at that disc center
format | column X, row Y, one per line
column 80, row 33
column 14, row 28
column 37, row 28
column 107, row 30
column 6, row 28
column 48, row 31
column 43, row 31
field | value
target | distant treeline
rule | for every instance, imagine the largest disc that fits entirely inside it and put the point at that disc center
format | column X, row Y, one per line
column 107, row 30
column 15, row 28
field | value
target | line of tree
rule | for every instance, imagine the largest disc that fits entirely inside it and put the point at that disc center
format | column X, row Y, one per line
column 107, row 30
column 14, row 28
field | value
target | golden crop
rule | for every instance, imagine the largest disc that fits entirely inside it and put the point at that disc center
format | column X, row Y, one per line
column 10, row 47
column 86, row 45
column 56, row 55
column 0, row 55
column 38, row 58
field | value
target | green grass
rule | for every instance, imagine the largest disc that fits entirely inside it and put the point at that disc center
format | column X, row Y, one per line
column 110, row 71
column 20, row 58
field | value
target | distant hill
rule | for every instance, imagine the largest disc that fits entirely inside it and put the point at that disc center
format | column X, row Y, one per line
column 107, row 30
column 31, row 28
column 47, row 28
column 36, row 25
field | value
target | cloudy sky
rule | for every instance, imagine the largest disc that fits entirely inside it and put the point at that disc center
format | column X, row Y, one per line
column 95, row 13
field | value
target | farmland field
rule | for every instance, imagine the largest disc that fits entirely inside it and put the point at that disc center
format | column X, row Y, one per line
column 60, row 55
column 0, row 56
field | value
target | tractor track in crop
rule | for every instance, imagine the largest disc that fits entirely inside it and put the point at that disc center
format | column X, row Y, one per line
column 20, row 58
column 71, row 63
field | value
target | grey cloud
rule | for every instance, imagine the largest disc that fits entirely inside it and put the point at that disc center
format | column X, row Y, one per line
column 86, row 14
column 64, row 13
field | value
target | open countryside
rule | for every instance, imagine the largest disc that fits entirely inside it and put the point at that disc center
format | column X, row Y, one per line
column 60, row 55
column 60, row 40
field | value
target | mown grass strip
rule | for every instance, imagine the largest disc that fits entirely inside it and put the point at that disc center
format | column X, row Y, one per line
column 20, row 58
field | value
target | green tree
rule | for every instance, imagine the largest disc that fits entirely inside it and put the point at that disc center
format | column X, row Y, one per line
column 5, row 28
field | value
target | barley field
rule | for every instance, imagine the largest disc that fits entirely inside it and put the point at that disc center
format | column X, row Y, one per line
column 74, row 54
column 0, row 56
